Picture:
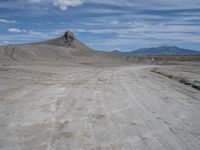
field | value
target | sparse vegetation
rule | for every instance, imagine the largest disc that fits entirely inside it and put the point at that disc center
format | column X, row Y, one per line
column 157, row 59
column 179, row 79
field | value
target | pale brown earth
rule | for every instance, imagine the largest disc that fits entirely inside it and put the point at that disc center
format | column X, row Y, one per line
column 93, row 101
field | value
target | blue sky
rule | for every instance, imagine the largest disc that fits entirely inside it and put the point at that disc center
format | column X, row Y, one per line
column 103, row 24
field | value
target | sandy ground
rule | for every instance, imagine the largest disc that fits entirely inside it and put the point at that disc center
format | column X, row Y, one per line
column 85, row 108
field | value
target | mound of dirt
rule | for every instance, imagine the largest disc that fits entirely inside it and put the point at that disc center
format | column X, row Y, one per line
column 67, row 40
column 66, row 49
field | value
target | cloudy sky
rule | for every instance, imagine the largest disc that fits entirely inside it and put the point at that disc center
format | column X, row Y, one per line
column 103, row 24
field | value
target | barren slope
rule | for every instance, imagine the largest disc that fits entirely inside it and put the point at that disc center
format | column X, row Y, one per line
column 57, row 51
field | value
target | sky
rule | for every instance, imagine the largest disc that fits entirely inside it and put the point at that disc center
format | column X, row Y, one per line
column 103, row 24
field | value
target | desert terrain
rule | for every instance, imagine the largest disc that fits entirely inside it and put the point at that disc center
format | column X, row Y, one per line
column 54, row 97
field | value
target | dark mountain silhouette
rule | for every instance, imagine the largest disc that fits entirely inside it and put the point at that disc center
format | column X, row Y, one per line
column 163, row 50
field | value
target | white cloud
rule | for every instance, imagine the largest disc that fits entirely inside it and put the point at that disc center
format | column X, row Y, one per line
column 152, row 4
column 5, row 42
column 35, row 1
column 31, row 32
column 35, row 33
column 64, row 4
column 15, row 30
column 144, row 4
column 7, row 21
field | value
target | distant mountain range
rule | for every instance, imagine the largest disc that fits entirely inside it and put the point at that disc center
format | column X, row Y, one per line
column 163, row 50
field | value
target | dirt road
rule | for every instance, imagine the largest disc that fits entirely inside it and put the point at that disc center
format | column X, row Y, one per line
column 83, row 108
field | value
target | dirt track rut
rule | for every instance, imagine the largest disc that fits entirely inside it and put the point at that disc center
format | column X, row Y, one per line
column 122, row 108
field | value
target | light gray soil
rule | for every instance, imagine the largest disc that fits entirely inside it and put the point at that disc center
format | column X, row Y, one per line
column 44, row 107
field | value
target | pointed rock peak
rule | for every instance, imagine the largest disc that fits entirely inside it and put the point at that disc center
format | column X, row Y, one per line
column 69, row 37
column 67, row 40
column 69, row 34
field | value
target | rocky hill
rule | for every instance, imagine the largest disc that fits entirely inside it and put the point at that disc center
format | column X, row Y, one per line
column 66, row 49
